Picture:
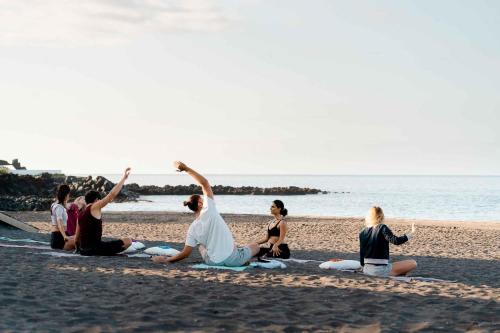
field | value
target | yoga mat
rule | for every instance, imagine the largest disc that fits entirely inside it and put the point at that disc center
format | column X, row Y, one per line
column 25, row 240
column 139, row 255
column 204, row 266
column 39, row 247
column 300, row 261
column 62, row 254
column 416, row 278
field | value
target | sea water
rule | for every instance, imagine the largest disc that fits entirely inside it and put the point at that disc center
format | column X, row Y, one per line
column 474, row 198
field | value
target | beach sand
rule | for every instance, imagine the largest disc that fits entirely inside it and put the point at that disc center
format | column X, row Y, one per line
column 103, row 294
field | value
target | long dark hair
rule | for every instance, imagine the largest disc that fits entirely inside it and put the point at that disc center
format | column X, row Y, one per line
column 192, row 203
column 281, row 206
column 62, row 191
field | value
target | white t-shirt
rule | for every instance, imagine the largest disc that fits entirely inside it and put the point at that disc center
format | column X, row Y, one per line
column 210, row 231
column 58, row 211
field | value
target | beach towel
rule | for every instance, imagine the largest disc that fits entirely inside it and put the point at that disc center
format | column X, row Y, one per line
column 343, row 265
column 62, row 254
column 39, row 247
column 204, row 266
column 138, row 255
column 135, row 246
column 24, row 240
column 269, row 264
column 67, row 254
column 162, row 250
column 416, row 278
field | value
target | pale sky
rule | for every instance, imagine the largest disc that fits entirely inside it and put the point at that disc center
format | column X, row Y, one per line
column 251, row 87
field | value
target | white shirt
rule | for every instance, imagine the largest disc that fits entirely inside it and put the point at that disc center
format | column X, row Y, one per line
column 210, row 231
column 58, row 211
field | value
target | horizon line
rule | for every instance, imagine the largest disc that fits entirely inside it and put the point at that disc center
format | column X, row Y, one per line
column 300, row 174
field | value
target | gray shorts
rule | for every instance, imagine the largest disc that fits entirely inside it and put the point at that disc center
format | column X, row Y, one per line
column 377, row 270
column 239, row 257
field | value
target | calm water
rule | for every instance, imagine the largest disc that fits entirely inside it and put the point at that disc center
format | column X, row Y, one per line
column 426, row 197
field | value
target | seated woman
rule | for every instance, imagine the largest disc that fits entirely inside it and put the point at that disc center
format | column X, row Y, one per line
column 276, row 232
column 73, row 210
column 59, row 238
column 89, row 230
column 374, row 242
column 209, row 232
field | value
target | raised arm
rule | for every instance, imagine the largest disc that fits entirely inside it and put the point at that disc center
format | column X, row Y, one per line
column 391, row 238
column 202, row 181
column 96, row 207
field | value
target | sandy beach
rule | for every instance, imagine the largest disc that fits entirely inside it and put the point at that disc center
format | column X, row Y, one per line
column 102, row 294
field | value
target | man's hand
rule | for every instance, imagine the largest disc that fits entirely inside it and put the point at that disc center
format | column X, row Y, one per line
column 179, row 166
column 161, row 260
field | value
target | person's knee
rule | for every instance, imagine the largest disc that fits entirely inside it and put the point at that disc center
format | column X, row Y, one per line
column 255, row 248
column 413, row 264
column 126, row 242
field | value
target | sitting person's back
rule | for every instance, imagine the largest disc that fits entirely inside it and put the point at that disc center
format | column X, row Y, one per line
column 374, row 242
column 90, row 231
column 211, row 232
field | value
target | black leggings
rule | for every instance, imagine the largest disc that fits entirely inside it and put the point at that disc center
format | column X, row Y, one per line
column 109, row 248
column 267, row 251
column 57, row 240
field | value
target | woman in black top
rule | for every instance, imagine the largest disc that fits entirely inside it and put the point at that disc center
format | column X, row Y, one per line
column 374, row 242
column 276, row 232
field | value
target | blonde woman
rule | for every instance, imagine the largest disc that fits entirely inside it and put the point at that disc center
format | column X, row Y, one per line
column 374, row 242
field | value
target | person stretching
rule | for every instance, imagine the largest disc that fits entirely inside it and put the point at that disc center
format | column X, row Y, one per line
column 209, row 231
column 90, row 224
column 374, row 242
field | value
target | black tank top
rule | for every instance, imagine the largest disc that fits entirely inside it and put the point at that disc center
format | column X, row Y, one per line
column 90, row 230
column 274, row 231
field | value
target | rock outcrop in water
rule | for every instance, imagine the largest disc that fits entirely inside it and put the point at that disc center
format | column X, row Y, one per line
column 23, row 192
column 220, row 189
column 37, row 192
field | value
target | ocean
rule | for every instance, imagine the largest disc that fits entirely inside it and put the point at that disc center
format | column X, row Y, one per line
column 470, row 198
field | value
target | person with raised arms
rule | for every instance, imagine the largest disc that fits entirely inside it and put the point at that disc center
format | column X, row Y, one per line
column 209, row 231
column 374, row 242
column 89, row 230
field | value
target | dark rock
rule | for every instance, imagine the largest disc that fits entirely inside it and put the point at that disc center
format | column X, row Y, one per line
column 219, row 189
column 20, row 192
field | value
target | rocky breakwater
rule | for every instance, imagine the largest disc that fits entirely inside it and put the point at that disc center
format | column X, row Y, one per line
column 22, row 192
column 220, row 190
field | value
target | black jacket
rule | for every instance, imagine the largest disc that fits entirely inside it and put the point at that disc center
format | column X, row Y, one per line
column 374, row 244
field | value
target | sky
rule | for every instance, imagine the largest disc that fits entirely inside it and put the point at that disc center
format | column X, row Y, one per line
column 251, row 87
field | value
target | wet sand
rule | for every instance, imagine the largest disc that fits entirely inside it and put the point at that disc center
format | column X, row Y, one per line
column 102, row 294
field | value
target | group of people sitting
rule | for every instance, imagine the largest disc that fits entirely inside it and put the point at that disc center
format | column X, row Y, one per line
column 78, row 226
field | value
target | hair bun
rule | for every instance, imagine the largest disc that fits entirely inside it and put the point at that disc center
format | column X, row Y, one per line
column 186, row 203
column 284, row 211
